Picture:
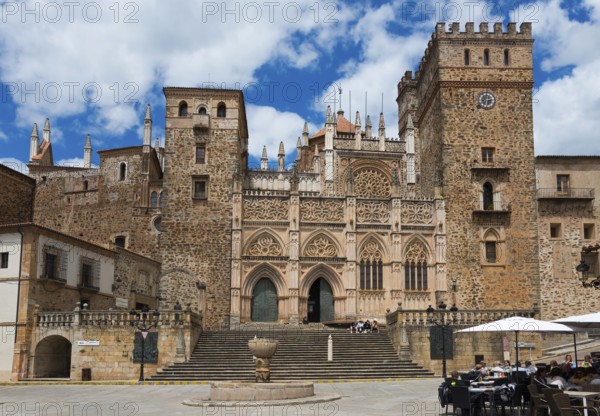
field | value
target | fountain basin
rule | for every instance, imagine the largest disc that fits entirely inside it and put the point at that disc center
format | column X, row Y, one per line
column 263, row 347
column 249, row 391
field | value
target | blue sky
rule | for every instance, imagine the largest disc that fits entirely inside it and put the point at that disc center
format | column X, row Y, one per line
column 93, row 66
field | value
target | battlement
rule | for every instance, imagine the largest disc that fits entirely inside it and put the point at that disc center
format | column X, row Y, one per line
column 484, row 33
column 454, row 33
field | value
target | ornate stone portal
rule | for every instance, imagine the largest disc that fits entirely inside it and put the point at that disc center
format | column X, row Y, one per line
column 263, row 349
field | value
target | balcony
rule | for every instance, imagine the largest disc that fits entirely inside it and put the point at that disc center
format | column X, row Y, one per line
column 492, row 208
column 569, row 193
column 88, row 287
column 201, row 121
column 53, row 279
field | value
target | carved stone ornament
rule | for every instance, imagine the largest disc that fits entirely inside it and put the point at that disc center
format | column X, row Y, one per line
column 417, row 213
column 314, row 210
column 373, row 212
column 320, row 247
column 266, row 209
column 265, row 246
column 371, row 183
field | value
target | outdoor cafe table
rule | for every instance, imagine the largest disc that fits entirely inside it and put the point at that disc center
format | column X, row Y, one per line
column 489, row 391
column 581, row 395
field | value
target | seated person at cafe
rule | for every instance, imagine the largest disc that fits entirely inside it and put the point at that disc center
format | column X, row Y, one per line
column 569, row 360
column 529, row 368
column 578, row 379
column 587, row 361
column 539, row 379
column 553, row 364
column 556, row 379
column 484, row 369
column 475, row 374
column 497, row 369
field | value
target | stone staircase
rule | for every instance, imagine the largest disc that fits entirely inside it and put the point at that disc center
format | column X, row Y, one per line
column 301, row 355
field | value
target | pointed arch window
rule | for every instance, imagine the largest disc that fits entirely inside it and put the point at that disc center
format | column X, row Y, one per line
column 202, row 110
column 371, row 267
column 488, row 196
column 183, row 109
column 415, row 268
column 161, row 200
column 222, row 110
column 492, row 247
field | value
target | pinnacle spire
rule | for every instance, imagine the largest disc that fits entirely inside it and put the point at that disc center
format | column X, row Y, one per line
column 305, row 130
column 328, row 115
column 47, row 130
column 264, row 160
column 34, row 131
column 88, row 142
column 381, row 121
column 357, row 122
column 281, row 149
column 148, row 114
column 87, row 152
column 299, row 142
column 409, row 123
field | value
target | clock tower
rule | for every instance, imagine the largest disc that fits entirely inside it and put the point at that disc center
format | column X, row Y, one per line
column 470, row 102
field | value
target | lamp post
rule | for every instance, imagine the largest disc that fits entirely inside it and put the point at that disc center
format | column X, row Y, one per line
column 138, row 320
column 582, row 271
column 442, row 320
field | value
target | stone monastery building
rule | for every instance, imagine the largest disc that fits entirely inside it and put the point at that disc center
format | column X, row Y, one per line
column 442, row 206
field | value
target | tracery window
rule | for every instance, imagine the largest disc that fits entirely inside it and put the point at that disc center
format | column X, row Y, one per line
column 371, row 267
column 415, row 268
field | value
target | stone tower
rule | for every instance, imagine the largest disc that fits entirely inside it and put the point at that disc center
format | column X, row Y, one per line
column 205, row 155
column 470, row 102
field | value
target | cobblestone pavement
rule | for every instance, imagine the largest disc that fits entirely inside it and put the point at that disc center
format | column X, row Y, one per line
column 377, row 398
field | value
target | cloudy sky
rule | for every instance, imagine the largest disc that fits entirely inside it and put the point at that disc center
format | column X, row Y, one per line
column 92, row 67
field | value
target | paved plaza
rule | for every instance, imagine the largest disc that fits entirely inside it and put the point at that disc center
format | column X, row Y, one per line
column 406, row 398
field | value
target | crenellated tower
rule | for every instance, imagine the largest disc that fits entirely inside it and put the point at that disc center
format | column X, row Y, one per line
column 468, row 113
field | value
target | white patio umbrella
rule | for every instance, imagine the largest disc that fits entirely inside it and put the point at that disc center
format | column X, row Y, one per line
column 519, row 324
column 589, row 320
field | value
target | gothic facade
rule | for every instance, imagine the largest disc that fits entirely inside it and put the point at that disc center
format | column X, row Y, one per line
column 444, row 211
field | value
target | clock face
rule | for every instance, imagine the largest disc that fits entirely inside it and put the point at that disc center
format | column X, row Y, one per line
column 486, row 100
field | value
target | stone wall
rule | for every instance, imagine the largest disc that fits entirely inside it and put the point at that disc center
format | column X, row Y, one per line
column 112, row 359
column 18, row 192
column 196, row 239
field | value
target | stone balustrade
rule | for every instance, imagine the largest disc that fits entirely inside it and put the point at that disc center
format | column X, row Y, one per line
column 167, row 318
column 460, row 318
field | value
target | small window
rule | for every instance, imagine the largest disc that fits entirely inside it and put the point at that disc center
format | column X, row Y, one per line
column 491, row 252
column 4, row 260
column 157, row 224
column 555, row 231
column 183, row 109
column 487, row 154
column 153, row 199
column 592, row 260
column 222, row 110
column 51, row 266
column 467, row 57
column 506, row 57
column 161, row 200
column 202, row 110
column 562, row 184
column 122, row 171
column 486, row 57
column 200, row 189
column 86, row 275
column 588, row 231
column 120, row 241
column 200, row 155
column 85, row 185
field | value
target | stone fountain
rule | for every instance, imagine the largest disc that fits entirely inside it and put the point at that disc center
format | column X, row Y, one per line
column 263, row 349
column 262, row 392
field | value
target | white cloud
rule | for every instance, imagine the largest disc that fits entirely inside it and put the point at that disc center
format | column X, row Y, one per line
column 3, row 136
column 14, row 164
column 78, row 66
column 73, row 162
column 268, row 127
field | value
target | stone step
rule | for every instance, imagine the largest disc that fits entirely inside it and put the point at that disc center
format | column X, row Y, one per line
column 300, row 355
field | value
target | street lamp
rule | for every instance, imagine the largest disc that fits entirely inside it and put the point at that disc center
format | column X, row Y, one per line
column 138, row 320
column 583, row 270
column 442, row 320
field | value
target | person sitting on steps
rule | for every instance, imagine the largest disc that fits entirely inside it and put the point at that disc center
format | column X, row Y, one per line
column 375, row 327
column 367, row 326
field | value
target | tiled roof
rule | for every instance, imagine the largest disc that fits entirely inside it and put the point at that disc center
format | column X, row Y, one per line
column 343, row 126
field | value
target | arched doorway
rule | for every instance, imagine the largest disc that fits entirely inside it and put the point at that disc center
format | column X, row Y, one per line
column 264, row 302
column 320, row 301
column 53, row 358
